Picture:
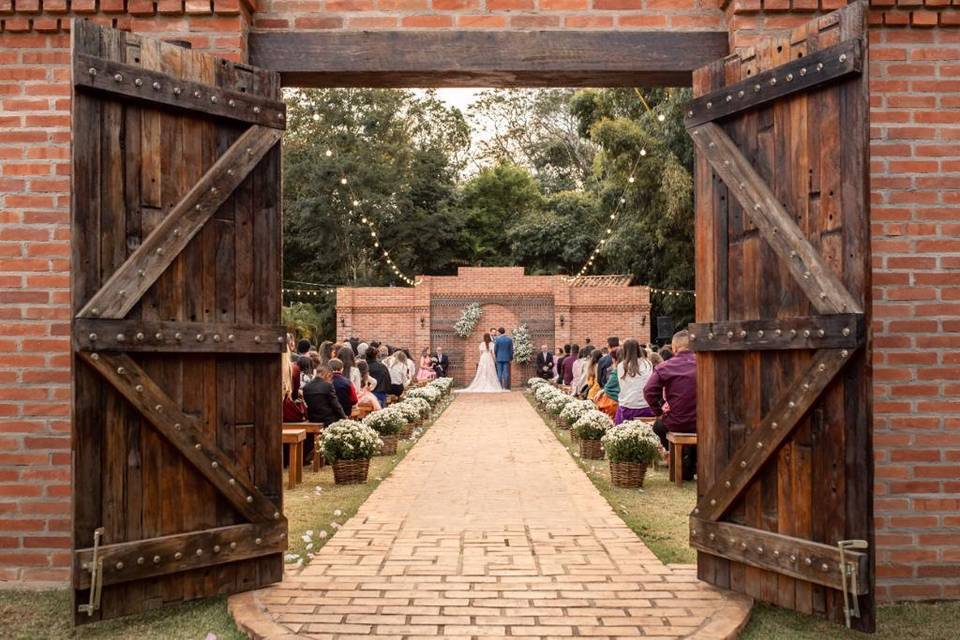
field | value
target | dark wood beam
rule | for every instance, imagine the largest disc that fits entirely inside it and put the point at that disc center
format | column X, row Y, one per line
column 485, row 58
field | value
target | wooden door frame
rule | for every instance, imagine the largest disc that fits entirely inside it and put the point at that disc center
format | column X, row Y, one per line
column 468, row 58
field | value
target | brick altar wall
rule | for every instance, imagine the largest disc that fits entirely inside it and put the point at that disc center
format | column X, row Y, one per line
column 915, row 70
column 424, row 316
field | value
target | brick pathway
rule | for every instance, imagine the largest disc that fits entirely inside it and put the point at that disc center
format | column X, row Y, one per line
column 488, row 529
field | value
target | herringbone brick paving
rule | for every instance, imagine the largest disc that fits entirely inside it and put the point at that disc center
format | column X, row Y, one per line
column 488, row 529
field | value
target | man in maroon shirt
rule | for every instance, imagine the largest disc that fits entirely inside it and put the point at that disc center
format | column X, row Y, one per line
column 671, row 392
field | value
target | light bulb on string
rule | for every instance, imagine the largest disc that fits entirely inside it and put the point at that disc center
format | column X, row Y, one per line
column 328, row 153
column 661, row 117
column 643, row 152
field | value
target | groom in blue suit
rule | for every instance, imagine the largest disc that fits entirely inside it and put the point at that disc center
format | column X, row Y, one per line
column 503, row 354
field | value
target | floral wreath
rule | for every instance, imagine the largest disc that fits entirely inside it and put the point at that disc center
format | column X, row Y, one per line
column 469, row 318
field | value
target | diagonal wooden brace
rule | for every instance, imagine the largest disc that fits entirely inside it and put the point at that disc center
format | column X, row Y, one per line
column 774, row 429
column 182, row 432
column 815, row 277
column 127, row 285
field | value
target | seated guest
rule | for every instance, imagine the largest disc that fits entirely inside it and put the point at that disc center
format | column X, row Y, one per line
column 326, row 351
column 365, row 395
column 411, row 366
column 399, row 373
column 545, row 363
column 580, row 371
column 633, row 372
column 672, row 392
column 608, row 398
column 293, row 409
column 345, row 355
column 666, row 353
column 322, row 405
column 655, row 359
column 379, row 373
column 603, row 367
column 362, row 351
column 442, row 363
column 561, row 356
column 568, row 363
column 426, row 372
column 346, row 393
column 592, row 385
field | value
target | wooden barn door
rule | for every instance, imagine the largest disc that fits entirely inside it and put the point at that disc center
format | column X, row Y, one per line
column 783, row 310
column 176, row 328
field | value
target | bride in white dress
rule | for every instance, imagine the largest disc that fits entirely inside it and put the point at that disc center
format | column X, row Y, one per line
column 486, row 379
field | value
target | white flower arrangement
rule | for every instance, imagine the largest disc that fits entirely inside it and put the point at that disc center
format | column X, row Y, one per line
column 350, row 440
column 632, row 441
column 533, row 383
column 442, row 384
column 544, row 394
column 386, row 422
column 428, row 393
column 409, row 410
column 422, row 404
column 556, row 405
column 522, row 347
column 574, row 410
column 592, row 425
column 469, row 318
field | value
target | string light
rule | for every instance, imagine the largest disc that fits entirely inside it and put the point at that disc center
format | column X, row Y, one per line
column 613, row 216
column 673, row 293
column 371, row 227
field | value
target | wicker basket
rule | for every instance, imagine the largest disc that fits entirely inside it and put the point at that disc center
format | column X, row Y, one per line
column 627, row 474
column 591, row 449
column 389, row 447
column 407, row 432
column 351, row 471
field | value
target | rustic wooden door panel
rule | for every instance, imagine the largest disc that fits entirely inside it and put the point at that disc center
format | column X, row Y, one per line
column 782, row 331
column 176, row 293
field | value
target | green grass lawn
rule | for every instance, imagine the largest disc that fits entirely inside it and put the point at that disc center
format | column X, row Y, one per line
column 658, row 514
column 35, row 615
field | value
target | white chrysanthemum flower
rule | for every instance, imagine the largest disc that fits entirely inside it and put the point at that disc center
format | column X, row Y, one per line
column 322, row 534
column 337, row 512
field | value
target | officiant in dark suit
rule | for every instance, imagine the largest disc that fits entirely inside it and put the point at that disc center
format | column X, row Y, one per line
column 545, row 363
column 442, row 363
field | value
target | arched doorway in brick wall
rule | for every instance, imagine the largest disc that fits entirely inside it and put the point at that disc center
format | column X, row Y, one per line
column 494, row 316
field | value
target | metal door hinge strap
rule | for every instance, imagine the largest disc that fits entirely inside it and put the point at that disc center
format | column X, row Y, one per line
column 850, row 571
column 95, row 566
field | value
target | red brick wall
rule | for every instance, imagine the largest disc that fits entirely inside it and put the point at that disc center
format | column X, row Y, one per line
column 915, row 171
column 508, row 296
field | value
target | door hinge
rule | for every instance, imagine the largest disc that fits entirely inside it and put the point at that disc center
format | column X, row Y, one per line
column 95, row 566
column 849, row 572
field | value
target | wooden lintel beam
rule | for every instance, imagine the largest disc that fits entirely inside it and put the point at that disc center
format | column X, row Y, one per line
column 811, row 561
column 96, row 334
column 152, row 557
column 162, row 90
column 762, row 442
column 182, row 431
column 835, row 331
column 814, row 276
column 801, row 74
column 485, row 58
column 127, row 285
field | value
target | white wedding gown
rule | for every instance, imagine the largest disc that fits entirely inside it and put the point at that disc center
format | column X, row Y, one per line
column 486, row 379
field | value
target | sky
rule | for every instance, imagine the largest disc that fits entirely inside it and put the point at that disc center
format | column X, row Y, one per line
column 461, row 98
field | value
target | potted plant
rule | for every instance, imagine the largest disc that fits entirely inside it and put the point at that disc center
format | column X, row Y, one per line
column 428, row 393
column 411, row 417
column 630, row 448
column 573, row 412
column 444, row 385
column 545, row 393
column 387, row 423
column 590, row 428
column 557, row 404
column 349, row 445
column 533, row 383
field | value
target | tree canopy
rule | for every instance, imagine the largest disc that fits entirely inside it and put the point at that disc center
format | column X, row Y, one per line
column 535, row 187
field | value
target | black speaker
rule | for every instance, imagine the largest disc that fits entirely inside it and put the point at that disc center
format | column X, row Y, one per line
column 664, row 328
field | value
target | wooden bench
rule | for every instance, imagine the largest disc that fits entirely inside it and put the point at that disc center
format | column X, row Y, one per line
column 316, row 428
column 293, row 438
column 677, row 442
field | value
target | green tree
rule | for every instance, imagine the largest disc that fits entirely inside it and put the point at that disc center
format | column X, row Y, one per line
column 492, row 202
column 357, row 155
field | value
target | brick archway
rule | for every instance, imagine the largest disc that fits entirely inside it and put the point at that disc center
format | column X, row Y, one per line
column 494, row 315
